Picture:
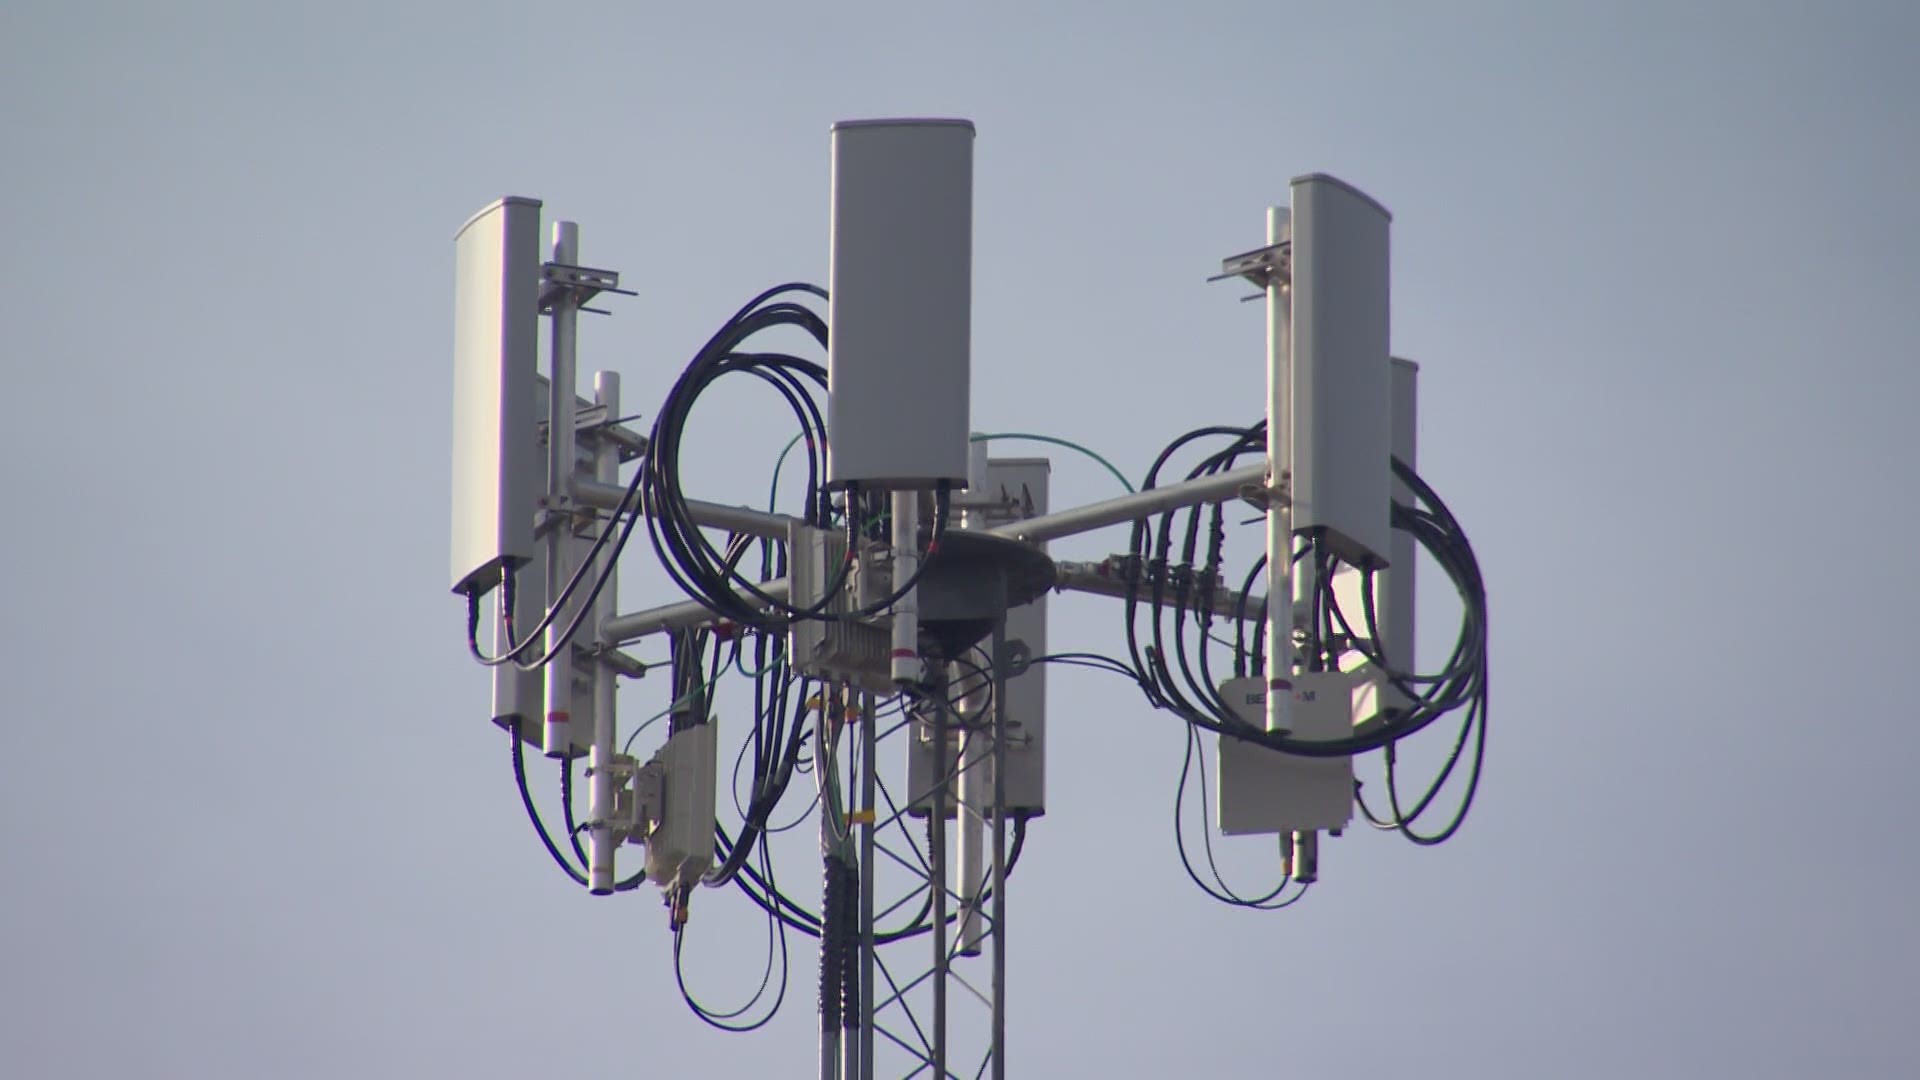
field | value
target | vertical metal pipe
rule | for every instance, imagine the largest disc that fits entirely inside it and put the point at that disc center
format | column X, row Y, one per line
column 974, row 500
column 600, row 852
column 830, row 897
column 557, row 735
column 1280, row 653
column 905, row 654
column 937, row 878
column 829, row 1052
column 868, row 871
column 999, row 1048
column 976, row 796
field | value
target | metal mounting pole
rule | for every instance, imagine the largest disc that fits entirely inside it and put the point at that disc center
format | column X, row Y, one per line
column 557, row 734
column 868, row 872
column 999, row 1046
column 1279, row 471
column 600, row 838
column 830, row 895
column 975, row 806
column 937, row 879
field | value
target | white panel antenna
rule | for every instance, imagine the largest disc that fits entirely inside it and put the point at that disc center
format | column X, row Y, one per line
column 1012, row 489
column 1393, row 587
column 495, row 341
column 901, row 303
column 1341, row 394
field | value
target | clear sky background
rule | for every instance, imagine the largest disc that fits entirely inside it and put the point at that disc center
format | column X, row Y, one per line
column 1656, row 259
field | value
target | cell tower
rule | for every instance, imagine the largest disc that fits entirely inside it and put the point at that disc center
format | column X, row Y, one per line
column 894, row 632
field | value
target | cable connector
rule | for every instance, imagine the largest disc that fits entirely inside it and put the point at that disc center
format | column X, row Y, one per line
column 679, row 903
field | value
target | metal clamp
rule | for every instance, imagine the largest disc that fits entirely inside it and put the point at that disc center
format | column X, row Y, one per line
column 615, row 660
column 1019, row 657
column 596, row 422
column 580, row 283
column 555, row 512
column 1265, row 496
column 1263, row 267
column 645, row 801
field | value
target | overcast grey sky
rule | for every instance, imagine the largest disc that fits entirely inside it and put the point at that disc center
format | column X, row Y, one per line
column 1657, row 261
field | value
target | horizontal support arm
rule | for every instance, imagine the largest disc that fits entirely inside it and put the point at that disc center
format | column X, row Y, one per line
column 1207, row 489
column 1084, row 577
column 740, row 519
column 1081, row 577
column 1100, row 580
column 680, row 616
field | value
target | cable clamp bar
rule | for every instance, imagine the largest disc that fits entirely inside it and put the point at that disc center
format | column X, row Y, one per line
column 561, row 511
column 621, row 767
column 623, row 665
column 596, row 422
column 1262, row 267
column 577, row 284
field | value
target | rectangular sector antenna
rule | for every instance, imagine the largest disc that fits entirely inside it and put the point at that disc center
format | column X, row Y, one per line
column 1342, row 402
column 899, row 314
column 1393, row 588
column 495, row 346
column 1021, row 484
column 1396, row 614
column 1015, row 489
column 519, row 695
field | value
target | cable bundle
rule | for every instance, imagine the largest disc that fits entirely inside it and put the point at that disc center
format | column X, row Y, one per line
column 1184, row 583
column 1461, row 682
column 705, row 574
column 1174, row 570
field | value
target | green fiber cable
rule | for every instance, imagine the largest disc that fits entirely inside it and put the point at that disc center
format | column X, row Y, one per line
column 1028, row 437
column 676, row 703
column 740, row 662
column 773, row 490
